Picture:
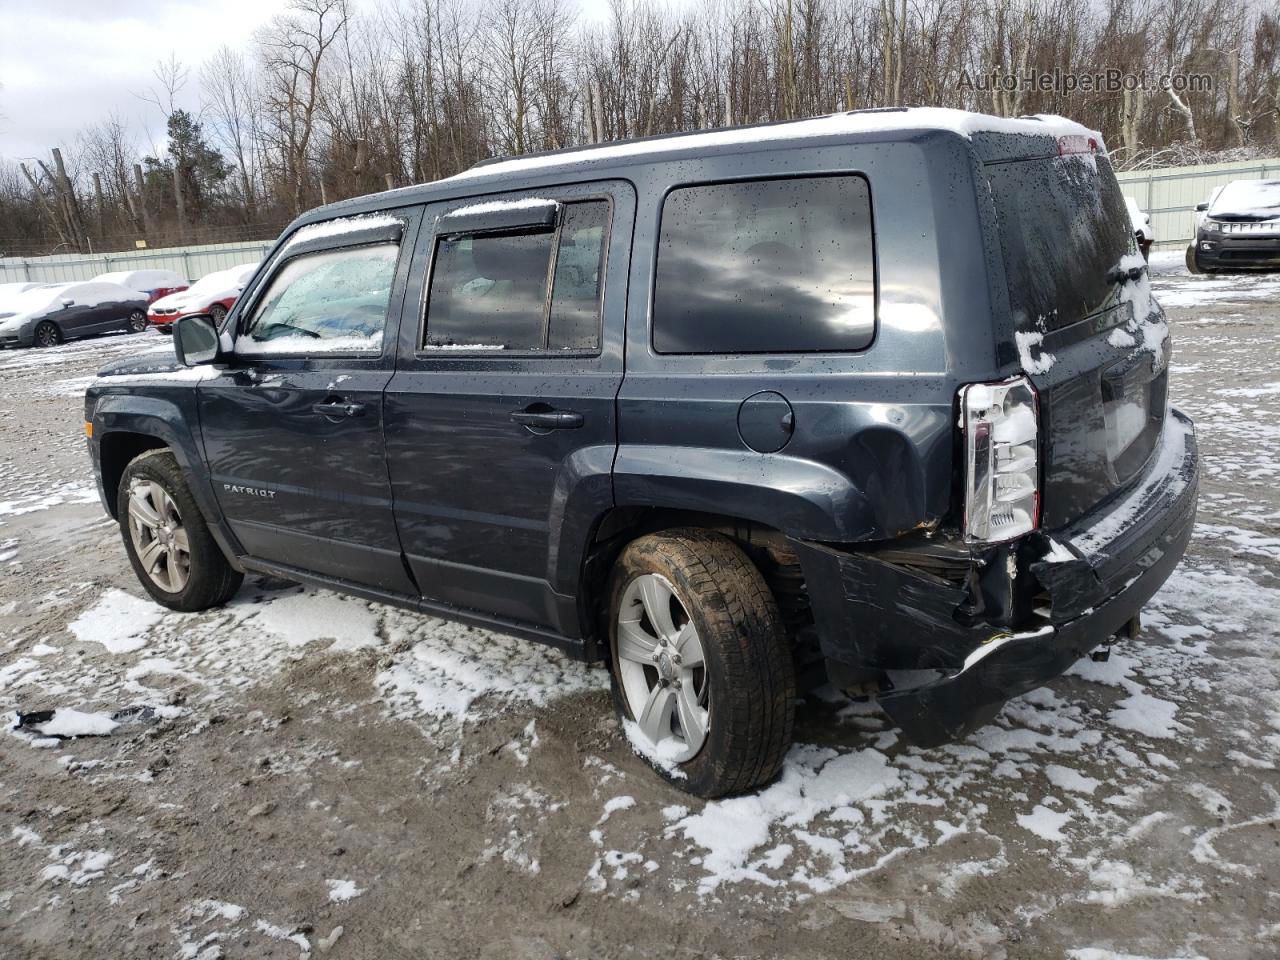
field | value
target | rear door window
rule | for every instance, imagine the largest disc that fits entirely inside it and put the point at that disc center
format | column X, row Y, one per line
column 522, row 292
column 766, row 266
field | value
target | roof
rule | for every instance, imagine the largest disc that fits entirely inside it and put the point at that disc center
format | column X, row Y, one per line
column 857, row 124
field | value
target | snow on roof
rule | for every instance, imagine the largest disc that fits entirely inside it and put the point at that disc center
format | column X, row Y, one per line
column 834, row 125
column 143, row 279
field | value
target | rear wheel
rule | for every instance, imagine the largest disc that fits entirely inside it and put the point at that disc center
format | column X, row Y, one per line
column 169, row 544
column 47, row 334
column 703, row 679
column 138, row 321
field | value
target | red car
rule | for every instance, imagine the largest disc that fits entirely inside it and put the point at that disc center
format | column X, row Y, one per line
column 152, row 284
column 213, row 294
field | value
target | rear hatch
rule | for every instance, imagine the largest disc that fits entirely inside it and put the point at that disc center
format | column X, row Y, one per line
column 1082, row 321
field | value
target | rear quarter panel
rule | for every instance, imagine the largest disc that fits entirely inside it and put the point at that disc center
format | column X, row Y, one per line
column 870, row 456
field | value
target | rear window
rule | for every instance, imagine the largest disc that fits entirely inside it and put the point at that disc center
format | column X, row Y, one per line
column 766, row 266
column 1063, row 229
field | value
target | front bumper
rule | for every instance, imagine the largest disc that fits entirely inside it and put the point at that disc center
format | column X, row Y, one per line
column 946, row 678
column 1238, row 252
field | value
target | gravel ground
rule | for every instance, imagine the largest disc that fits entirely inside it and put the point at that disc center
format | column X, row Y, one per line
column 301, row 774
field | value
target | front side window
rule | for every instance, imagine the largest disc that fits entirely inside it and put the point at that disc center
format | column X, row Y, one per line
column 766, row 266
column 335, row 301
column 490, row 292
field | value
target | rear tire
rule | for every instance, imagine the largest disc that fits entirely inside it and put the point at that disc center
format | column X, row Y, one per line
column 137, row 321
column 47, row 334
column 169, row 544
column 740, row 704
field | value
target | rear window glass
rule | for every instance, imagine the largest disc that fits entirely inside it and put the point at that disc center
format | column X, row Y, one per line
column 766, row 266
column 1063, row 229
column 489, row 292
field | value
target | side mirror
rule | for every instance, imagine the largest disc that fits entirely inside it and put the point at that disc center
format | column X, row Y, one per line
column 68, row 303
column 195, row 340
column 1201, row 207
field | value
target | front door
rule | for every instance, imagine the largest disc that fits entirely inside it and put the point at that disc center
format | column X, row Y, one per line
column 293, row 428
column 501, row 430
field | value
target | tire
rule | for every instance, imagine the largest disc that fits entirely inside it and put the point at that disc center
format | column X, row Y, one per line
column 205, row 579
column 47, row 334
column 1193, row 264
column 137, row 321
column 219, row 313
column 744, row 692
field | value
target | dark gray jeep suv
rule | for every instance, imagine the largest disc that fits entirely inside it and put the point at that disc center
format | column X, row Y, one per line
column 875, row 399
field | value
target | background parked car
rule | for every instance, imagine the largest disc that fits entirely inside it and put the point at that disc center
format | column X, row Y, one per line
column 214, row 293
column 48, row 315
column 1238, row 228
column 1141, row 222
column 154, row 283
column 8, row 290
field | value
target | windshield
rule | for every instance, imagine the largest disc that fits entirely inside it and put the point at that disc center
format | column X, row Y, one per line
column 1259, row 198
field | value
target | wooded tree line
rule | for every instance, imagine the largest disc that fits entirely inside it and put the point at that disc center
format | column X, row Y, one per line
column 334, row 99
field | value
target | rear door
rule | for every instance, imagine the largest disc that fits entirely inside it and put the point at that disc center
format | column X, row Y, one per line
column 1085, row 326
column 293, row 428
column 500, row 419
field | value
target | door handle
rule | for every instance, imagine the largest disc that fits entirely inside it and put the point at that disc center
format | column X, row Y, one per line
column 548, row 419
column 338, row 408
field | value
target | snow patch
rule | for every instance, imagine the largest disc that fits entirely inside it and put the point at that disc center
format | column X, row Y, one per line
column 119, row 621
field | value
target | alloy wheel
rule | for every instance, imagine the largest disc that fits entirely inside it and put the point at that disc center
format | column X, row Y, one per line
column 159, row 538
column 661, row 667
column 137, row 321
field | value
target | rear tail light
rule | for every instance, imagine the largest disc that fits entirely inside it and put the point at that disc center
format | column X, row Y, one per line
column 1002, row 462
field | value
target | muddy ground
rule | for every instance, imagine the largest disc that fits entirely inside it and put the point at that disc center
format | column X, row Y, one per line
column 317, row 776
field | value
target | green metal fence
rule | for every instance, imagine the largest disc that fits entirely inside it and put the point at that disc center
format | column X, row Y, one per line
column 1170, row 194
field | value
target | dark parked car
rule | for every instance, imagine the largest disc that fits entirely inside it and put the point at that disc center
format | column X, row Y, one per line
column 1240, row 229
column 877, row 399
column 47, row 315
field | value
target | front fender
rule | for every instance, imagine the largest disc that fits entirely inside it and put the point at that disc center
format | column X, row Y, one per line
column 169, row 419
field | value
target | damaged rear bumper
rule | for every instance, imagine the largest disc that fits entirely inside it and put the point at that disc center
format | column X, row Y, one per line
column 949, row 677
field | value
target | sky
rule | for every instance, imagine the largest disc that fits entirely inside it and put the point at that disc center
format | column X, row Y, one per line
column 67, row 64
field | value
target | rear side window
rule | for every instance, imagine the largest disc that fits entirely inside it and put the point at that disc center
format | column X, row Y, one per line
column 331, row 301
column 490, row 292
column 766, row 266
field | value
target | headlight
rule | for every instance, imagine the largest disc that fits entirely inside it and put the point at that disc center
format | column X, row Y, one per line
column 1002, row 461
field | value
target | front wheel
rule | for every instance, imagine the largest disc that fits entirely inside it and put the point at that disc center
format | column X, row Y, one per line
column 169, row 544
column 218, row 313
column 703, row 679
column 1193, row 262
column 47, row 334
column 138, row 321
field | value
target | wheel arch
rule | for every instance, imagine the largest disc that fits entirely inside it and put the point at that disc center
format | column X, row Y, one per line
column 765, row 546
column 127, row 425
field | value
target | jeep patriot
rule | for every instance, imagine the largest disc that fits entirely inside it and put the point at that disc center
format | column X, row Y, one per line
column 875, row 400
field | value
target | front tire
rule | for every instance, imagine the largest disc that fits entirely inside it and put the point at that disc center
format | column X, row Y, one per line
column 47, row 334
column 137, row 321
column 169, row 544
column 703, row 678
column 1193, row 262
column 219, row 313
